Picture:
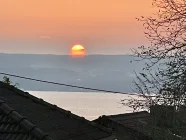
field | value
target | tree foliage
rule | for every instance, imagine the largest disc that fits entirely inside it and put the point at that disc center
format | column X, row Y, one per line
column 166, row 86
column 166, row 31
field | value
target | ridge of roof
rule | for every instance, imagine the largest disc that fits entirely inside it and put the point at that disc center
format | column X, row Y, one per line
column 23, row 122
column 53, row 106
column 127, row 114
column 119, row 123
column 111, row 117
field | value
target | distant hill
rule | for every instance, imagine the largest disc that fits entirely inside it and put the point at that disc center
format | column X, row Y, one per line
column 110, row 72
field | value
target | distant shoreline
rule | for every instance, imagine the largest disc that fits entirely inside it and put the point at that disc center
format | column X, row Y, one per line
column 79, row 92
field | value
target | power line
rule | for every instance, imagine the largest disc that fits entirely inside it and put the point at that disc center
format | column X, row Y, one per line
column 73, row 86
column 67, row 85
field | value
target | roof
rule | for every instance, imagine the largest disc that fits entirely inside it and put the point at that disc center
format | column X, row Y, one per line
column 139, row 123
column 132, row 120
column 48, row 119
column 135, row 122
column 14, row 126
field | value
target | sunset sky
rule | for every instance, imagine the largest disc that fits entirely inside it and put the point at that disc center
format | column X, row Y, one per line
column 53, row 26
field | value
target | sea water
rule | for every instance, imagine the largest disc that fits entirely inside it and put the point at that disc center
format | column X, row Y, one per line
column 90, row 105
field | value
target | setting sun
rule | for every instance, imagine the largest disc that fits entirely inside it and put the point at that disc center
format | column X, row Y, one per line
column 77, row 50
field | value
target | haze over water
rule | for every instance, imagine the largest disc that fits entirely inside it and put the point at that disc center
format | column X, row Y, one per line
column 104, row 72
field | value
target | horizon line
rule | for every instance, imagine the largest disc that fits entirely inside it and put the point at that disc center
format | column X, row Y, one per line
column 58, row 54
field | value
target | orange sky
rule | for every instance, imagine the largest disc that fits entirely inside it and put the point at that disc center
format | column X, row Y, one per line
column 64, row 22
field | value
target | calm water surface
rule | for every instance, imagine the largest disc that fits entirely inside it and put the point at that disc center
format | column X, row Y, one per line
column 90, row 105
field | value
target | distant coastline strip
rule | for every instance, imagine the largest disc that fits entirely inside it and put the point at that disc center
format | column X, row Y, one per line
column 67, row 85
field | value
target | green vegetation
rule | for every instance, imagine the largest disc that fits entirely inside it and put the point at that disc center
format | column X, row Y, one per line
column 7, row 80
